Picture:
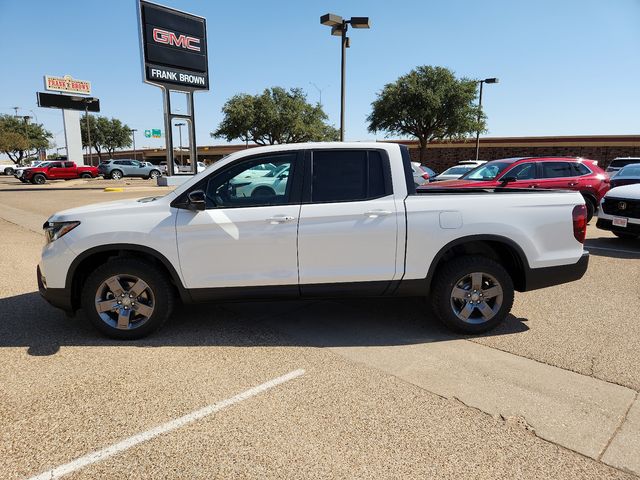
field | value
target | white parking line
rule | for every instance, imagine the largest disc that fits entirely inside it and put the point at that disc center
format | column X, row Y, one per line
column 127, row 443
column 635, row 252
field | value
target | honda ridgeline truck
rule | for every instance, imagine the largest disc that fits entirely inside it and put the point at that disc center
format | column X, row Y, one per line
column 329, row 219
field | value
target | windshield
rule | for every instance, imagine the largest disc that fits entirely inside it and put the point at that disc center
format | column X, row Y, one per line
column 456, row 170
column 488, row 171
column 633, row 171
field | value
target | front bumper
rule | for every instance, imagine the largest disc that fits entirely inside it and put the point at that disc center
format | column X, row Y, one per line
column 536, row 278
column 58, row 297
column 606, row 224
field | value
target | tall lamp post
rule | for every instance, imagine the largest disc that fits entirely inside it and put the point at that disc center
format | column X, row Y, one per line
column 133, row 136
column 339, row 27
column 481, row 82
column 180, row 125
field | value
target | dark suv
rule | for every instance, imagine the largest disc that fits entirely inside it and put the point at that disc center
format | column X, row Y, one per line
column 117, row 169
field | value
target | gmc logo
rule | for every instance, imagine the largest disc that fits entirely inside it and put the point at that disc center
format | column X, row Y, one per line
column 169, row 38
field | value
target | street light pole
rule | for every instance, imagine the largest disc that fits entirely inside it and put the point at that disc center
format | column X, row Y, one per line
column 133, row 135
column 481, row 82
column 180, row 125
column 343, row 68
column 339, row 26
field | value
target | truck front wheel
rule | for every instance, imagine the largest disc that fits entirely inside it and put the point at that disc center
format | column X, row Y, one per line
column 472, row 294
column 127, row 298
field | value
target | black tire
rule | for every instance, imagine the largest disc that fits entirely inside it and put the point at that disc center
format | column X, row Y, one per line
column 262, row 192
column 9, row 171
column 85, row 175
column 449, row 276
column 625, row 236
column 591, row 208
column 116, row 174
column 39, row 179
column 127, row 267
column 154, row 174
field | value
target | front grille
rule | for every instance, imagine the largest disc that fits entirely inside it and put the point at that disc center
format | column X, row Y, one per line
column 613, row 206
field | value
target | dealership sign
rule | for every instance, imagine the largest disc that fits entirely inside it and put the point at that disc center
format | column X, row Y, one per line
column 67, row 84
column 174, row 48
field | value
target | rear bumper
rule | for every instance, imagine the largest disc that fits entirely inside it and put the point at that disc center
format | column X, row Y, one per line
column 536, row 278
column 58, row 297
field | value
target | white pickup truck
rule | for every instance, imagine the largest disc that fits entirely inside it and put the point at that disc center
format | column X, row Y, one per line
column 346, row 219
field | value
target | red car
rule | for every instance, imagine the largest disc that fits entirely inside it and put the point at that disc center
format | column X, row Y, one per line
column 567, row 173
column 57, row 170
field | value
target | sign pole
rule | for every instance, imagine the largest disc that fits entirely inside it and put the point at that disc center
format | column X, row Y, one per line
column 168, row 137
column 193, row 149
column 86, row 114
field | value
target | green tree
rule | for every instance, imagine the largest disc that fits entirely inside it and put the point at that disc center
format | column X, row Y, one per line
column 107, row 135
column 429, row 103
column 274, row 116
column 20, row 139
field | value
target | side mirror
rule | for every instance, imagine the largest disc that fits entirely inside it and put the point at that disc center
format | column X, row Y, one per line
column 506, row 180
column 196, row 200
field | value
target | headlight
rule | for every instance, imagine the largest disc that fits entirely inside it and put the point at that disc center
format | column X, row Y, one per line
column 55, row 230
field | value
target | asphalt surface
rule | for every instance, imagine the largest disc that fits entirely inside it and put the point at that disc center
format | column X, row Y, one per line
column 65, row 391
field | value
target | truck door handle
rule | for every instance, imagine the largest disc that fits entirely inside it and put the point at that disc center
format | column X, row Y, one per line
column 572, row 184
column 533, row 185
column 377, row 213
column 280, row 219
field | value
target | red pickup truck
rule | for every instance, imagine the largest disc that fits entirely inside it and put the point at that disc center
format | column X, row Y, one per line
column 57, row 170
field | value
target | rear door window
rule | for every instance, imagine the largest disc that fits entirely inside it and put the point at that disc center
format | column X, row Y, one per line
column 348, row 175
column 557, row 170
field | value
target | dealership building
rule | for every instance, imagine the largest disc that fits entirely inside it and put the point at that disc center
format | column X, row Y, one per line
column 441, row 155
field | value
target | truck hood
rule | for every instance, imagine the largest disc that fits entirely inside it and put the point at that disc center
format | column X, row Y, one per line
column 626, row 191
column 101, row 209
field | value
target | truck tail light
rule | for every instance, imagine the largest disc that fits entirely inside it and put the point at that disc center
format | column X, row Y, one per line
column 579, row 222
column 425, row 175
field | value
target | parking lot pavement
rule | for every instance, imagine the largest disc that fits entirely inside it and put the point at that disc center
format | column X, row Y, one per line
column 67, row 392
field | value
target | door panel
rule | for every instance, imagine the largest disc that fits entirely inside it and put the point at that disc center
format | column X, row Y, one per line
column 348, row 242
column 231, row 247
column 246, row 237
column 348, row 227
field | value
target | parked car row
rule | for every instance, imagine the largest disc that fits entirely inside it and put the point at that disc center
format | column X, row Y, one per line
column 566, row 173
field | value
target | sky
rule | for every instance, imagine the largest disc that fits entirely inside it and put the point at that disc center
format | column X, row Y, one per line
column 566, row 67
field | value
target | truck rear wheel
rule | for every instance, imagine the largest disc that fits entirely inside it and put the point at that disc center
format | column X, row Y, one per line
column 472, row 294
column 86, row 175
column 39, row 179
column 127, row 298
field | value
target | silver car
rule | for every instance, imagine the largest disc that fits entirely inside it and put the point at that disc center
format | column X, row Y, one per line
column 116, row 169
column 617, row 163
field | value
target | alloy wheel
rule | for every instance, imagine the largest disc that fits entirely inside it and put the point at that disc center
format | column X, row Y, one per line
column 124, row 302
column 476, row 298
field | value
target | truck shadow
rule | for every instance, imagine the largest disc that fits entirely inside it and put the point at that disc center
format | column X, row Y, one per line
column 28, row 321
